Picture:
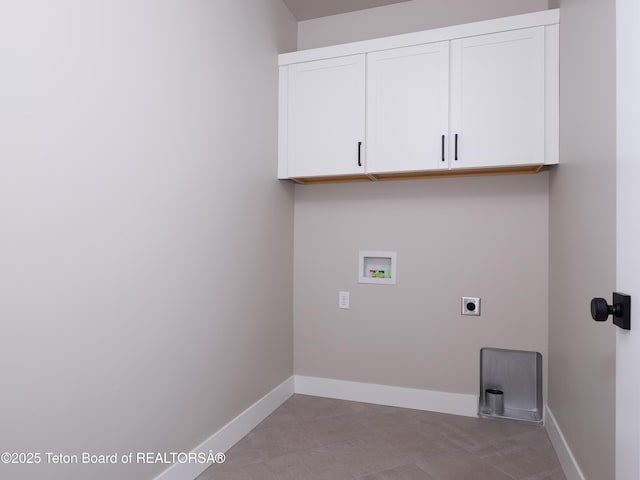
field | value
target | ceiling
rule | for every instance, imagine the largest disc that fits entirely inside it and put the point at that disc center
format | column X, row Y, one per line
column 308, row 9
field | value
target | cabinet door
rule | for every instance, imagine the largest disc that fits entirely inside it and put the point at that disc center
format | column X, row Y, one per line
column 326, row 117
column 497, row 99
column 407, row 108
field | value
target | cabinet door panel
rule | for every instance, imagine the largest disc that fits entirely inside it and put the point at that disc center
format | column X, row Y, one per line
column 326, row 115
column 407, row 108
column 497, row 99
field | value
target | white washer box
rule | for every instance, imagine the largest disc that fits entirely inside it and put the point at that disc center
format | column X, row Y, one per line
column 377, row 267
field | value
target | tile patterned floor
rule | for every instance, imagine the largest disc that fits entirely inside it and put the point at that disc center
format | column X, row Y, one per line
column 313, row 438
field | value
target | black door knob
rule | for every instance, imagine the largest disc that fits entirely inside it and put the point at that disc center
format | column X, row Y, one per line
column 620, row 309
column 600, row 309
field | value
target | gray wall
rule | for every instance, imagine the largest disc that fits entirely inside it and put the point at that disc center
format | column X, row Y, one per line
column 482, row 236
column 146, row 246
column 582, row 237
column 411, row 16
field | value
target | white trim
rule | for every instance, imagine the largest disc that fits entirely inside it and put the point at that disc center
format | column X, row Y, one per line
column 434, row 401
column 552, row 96
column 627, row 147
column 429, row 400
column 283, row 121
column 567, row 460
column 545, row 17
column 232, row 432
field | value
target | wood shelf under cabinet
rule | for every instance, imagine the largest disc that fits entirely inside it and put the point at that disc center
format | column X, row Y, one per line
column 381, row 177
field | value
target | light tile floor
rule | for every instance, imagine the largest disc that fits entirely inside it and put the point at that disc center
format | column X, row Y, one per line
column 312, row 438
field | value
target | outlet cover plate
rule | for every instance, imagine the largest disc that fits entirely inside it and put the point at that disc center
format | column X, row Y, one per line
column 471, row 306
column 343, row 300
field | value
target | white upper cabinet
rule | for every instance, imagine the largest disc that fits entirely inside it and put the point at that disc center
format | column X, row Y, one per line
column 480, row 98
column 498, row 99
column 407, row 108
column 326, row 117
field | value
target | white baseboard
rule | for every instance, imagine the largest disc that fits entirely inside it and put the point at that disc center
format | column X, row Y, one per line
column 232, row 432
column 567, row 460
column 434, row 401
column 443, row 402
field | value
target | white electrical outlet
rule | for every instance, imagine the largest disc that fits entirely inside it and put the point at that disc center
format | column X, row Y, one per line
column 471, row 306
column 343, row 299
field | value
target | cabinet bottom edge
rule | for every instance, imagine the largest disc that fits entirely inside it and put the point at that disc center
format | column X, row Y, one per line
column 381, row 177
